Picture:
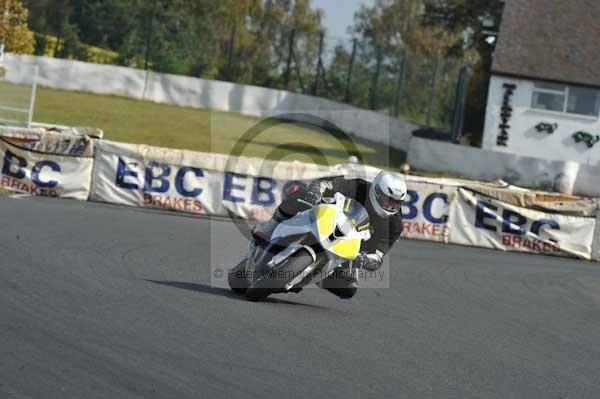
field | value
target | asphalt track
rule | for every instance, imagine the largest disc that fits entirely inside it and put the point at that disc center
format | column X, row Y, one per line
column 99, row 301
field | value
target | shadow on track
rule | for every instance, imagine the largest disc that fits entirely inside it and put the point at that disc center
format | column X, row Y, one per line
column 207, row 289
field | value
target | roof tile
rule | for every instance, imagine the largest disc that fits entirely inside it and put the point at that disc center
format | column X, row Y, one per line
column 555, row 40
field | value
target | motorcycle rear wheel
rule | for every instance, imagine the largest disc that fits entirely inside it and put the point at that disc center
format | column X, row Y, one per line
column 237, row 280
column 275, row 282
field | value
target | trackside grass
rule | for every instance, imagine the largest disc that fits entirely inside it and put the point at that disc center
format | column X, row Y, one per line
column 145, row 122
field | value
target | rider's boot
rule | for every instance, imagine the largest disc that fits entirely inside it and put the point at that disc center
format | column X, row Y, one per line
column 342, row 283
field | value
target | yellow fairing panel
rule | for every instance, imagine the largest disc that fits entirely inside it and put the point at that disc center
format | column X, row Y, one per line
column 347, row 249
column 325, row 215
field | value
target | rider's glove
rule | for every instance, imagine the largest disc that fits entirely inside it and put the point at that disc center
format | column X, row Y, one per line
column 370, row 262
column 313, row 193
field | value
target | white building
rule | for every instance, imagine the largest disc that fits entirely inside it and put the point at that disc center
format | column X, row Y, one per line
column 544, row 95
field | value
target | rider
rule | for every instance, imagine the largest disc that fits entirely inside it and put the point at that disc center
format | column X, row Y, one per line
column 382, row 199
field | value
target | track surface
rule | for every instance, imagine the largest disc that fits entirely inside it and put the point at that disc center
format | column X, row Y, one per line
column 80, row 317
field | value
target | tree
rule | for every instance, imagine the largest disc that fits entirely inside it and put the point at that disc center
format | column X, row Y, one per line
column 103, row 23
column 162, row 35
column 51, row 17
column 14, row 32
column 439, row 36
column 71, row 45
column 388, row 23
column 475, row 17
column 260, row 34
column 245, row 40
column 388, row 30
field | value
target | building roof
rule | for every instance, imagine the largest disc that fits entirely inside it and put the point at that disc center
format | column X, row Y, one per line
column 556, row 40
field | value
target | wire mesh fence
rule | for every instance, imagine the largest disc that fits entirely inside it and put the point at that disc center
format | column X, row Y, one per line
column 401, row 83
column 360, row 72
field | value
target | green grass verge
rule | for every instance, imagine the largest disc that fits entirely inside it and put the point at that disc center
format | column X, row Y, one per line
column 144, row 122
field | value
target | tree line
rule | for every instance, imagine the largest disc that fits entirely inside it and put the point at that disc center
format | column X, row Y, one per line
column 275, row 43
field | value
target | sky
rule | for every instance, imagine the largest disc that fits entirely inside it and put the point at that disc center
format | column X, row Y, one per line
column 339, row 14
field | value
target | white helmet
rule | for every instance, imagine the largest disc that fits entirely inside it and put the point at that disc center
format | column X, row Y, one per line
column 387, row 192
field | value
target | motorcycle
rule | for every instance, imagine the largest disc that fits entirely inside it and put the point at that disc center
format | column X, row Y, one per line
column 304, row 249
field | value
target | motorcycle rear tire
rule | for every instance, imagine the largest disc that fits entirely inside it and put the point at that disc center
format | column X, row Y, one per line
column 276, row 281
column 237, row 281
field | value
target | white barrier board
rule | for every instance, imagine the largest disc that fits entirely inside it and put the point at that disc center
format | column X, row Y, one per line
column 41, row 174
column 184, row 181
column 480, row 221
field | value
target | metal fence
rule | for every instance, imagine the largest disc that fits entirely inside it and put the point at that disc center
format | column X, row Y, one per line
column 17, row 101
column 428, row 91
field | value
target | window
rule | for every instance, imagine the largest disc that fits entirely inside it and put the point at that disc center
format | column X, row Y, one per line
column 583, row 101
column 563, row 98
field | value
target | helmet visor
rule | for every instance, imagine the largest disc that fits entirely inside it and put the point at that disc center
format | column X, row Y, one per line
column 389, row 204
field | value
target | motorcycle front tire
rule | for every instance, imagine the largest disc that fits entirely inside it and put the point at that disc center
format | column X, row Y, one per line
column 275, row 281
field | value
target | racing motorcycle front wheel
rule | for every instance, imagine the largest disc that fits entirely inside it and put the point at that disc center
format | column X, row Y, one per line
column 275, row 279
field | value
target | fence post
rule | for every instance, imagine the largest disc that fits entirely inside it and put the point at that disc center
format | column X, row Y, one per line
column 149, row 35
column 433, row 86
column 230, row 50
column 459, row 104
column 148, row 42
column 400, row 84
column 60, row 29
column 33, row 94
column 286, row 78
column 348, row 95
column 299, row 75
column 373, row 96
column 319, row 65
